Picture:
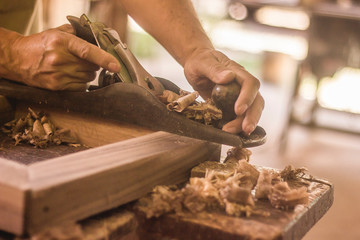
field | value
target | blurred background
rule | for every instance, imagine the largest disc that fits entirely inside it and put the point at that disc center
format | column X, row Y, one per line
column 306, row 55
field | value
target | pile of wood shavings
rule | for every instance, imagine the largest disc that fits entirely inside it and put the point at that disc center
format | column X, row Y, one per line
column 186, row 104
column 236, row 194
column 36, row 129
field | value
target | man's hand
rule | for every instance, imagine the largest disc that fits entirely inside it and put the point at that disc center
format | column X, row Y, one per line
column 57, row 60
column 207, row 67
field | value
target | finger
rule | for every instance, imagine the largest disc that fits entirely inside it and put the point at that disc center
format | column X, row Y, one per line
column 93, row 54
column 77, row 87
column 249, row 90
column 234, row 126
column 81, row 76
column 253, row 114
column 66, row 28
column 80, row 65
column 74, row 84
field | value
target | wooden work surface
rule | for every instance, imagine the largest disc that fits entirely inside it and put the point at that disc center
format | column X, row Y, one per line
column 127, row 223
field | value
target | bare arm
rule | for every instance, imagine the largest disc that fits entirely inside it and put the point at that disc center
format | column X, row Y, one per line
column 175, row 25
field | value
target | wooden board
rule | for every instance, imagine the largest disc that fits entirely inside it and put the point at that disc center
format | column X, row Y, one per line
column 77, row 185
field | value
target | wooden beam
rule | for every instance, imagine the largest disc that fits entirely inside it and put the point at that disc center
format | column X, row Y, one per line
column 76, row 186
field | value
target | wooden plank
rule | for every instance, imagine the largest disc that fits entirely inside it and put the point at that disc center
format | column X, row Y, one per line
column 13, row 192
column 76, row 186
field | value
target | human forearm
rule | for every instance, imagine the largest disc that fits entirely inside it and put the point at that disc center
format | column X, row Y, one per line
column 173, row 23
column 7, row 59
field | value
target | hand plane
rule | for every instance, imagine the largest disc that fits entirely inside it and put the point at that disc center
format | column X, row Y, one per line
column 129, row 95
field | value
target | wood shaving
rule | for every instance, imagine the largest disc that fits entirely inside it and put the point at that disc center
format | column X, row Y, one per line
column 281, row 196
column 186, row 104
column 238, row 153
column 210, row 193
column 264, row 185
column 236, row 192
column 248, row 174
column 181, row 103
column 292, row 173
column 36, row 129
column 168, row 96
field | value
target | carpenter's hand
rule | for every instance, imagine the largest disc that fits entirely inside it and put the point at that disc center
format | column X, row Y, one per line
column 58, row 60
column 206, row 67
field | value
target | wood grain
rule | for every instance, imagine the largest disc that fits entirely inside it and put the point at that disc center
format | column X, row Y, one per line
column 89, row 130
column 13, row 191
column 125, row 163
column 81, row 184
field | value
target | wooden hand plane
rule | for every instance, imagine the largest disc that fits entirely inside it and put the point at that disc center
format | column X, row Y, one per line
column 129, row 95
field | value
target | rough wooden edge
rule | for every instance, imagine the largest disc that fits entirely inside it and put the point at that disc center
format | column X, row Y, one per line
column 311, row 215
column 76, row 186
column 14, row 190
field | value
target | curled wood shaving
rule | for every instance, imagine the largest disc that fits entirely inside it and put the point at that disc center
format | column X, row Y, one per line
column 186, row 104
column 36, row 129
column 238, row 153
column 183, row 102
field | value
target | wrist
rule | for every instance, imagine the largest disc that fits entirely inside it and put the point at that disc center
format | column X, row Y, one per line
column 8, row 59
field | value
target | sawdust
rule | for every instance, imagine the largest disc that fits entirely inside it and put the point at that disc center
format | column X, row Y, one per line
column 235, row 193
column 36, row 129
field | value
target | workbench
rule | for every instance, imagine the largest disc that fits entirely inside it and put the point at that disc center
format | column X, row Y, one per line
column 90, row 192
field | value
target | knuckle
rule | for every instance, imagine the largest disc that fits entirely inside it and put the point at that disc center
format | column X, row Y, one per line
column 52, row 58
column 53, row 38
column 84, row 52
